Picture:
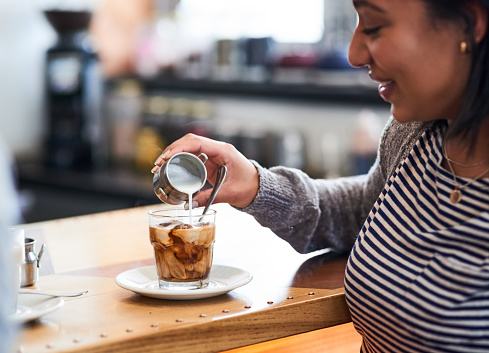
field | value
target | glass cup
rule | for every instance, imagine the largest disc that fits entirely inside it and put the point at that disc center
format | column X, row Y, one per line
column 16, row 244
column 183, row 244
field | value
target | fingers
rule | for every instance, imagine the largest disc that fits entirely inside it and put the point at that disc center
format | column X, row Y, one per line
column 155, row 169
column 202, row 197
column 159, row 161
column 193, row 144
column 242, row 182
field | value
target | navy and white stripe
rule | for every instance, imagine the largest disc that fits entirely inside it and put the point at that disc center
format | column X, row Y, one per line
column 418, row 276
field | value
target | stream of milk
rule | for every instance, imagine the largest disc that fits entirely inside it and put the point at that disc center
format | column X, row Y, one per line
column 185, row 181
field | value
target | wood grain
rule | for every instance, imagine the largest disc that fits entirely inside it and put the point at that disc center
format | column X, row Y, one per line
column 111, row 319
column 290, row 293
column 337, row 339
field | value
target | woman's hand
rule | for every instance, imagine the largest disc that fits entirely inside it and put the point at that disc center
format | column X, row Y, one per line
column 241, row 184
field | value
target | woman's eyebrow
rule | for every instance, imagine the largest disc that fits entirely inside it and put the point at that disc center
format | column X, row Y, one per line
column 365, row 3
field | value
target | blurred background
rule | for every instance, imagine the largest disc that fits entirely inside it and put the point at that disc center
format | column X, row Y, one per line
column 91, row 92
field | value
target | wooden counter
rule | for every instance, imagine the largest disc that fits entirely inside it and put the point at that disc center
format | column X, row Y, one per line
column 290, row 293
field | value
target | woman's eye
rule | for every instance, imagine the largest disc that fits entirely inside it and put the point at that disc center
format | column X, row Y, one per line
column 372, row 30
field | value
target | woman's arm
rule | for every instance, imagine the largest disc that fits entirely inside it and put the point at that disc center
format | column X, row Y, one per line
column 314, row 214
column 310, row 214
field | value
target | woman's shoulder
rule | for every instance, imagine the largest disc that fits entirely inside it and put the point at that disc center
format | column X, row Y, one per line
column 399, row 138
column 405, row 132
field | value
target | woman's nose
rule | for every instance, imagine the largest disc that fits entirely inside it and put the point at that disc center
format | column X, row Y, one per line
column 358, row 54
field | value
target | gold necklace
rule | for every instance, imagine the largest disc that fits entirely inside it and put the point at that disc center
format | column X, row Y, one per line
column 449, row 160
column 456, row 194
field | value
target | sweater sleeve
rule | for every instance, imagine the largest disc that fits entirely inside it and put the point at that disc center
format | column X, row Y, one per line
column 313, row 214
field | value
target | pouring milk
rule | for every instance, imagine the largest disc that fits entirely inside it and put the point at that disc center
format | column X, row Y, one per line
column 186, row 179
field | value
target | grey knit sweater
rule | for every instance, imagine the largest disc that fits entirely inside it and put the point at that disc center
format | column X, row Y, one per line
column 314, row 214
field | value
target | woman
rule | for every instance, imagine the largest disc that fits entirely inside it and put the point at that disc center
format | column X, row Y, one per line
column 417, row 279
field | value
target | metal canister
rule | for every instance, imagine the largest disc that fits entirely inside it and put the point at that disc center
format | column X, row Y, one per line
column 167, row 183
column 31, row 264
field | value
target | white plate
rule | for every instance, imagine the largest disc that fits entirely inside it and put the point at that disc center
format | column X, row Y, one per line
column 33, row 306
column 144, row 281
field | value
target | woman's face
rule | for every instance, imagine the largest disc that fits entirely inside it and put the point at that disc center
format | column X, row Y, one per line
column 416, row 61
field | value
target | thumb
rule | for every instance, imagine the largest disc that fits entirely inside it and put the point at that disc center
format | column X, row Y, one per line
column 202, row 197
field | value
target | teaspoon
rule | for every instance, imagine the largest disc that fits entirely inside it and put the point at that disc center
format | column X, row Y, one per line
column 222, row 171
column 31, row 291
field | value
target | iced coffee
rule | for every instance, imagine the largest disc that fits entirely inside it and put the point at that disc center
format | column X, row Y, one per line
column 183, row 247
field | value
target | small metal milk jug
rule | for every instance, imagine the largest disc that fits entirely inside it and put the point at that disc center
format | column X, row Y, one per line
column 31, row 264
column 181, row 176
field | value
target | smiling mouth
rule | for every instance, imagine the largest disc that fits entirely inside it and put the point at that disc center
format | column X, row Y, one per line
column 380, row 81
column 385, row 86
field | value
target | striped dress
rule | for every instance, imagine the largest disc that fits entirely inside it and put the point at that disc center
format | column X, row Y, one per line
column 417, row 279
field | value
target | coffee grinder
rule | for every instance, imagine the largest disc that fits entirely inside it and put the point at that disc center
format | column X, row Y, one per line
column 73, row 94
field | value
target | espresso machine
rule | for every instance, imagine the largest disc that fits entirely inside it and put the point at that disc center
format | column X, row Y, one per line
column 73, row 95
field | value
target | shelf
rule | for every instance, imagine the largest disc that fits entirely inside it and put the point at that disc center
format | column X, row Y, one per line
column 114, row 183
column 53, row 194
column 346, row 87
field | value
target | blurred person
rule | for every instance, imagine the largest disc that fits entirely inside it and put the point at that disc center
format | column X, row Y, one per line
column 116, row 31
column 9, row 216
column 417, row 278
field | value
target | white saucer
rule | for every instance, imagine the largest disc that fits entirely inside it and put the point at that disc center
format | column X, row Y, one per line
column 33, row 306
column 144, row 281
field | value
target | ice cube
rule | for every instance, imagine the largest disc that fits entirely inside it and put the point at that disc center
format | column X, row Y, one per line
column 171, row 224
column 206, row 235
column 176, row 268
column 188, row 235
column 162, row 236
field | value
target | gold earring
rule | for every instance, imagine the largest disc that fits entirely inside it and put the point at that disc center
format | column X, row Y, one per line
column 464, row 47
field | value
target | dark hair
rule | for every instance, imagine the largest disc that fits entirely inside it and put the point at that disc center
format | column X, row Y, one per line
column 475, row 105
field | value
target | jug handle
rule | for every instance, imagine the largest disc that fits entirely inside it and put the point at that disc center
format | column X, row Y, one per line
column 40, row 255
column 203, row 157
